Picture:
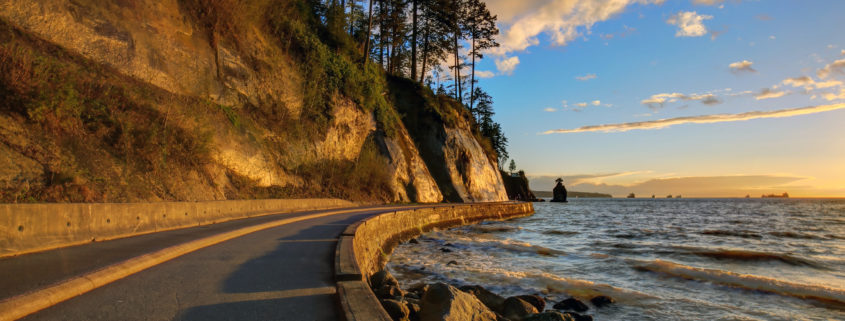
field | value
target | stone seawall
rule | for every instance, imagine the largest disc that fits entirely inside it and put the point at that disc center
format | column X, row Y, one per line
column 364, row 247
column 26, row 228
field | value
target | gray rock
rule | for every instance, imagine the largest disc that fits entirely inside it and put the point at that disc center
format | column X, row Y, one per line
column 389, row 292
column 397, row 310
column 548, row 316
column 515, row 308
column 571, row 304
column 382, row 278
column 602, row 300
column 490, row 299
column 579, row 317
column 534, row 300
column 445, row 302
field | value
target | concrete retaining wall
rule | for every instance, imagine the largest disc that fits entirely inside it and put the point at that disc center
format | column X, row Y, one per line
column 26, row 228
column 364, row 247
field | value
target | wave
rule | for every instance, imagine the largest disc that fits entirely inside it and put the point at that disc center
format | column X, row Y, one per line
column 492, row 228
column 557, row 232
column 475, row 241
column 743, row 255
column 794, row 235
column 736, row 233
column 747, row 281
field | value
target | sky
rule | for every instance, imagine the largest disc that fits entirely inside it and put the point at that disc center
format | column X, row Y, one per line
column 700, row 98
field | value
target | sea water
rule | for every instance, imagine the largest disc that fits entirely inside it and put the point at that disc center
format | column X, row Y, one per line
column 660, row 259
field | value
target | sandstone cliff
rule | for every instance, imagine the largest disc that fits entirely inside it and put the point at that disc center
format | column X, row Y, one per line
column 118, row 100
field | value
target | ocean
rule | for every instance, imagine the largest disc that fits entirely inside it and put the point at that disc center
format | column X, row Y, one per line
column 660, row 259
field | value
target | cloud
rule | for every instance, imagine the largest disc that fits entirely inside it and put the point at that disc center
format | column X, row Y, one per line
column 596, row 102
column 740, row 66
column 586, row 77
column 706, row 2
column 690, row 24
column 561, row 20
column 484, row 74
column 832, row 96
column 768, row 93
column 837, row 67
column 506, row 66
column 809, row 84
column 658, row 101
column 772, row 37
column 703, row 119
column 582, row 105
column 842, row 53
column 549, row 110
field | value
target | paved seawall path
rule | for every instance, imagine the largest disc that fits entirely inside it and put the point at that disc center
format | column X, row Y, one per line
column 280, row 273
column 272, row 267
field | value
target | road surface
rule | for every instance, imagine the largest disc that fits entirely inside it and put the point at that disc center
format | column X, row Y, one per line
column 281, row 273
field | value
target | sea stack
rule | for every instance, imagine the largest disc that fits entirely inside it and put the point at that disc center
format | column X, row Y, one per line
column 559, row 191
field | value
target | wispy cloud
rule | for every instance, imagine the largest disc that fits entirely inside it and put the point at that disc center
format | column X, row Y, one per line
column 836, row 67
column 484, row 74
column 768, row 93
column 689, row 23
column 703, row 119
column 659, row 100
column 741, row 66
column 706, row 2
column 586, row 77
column 549, row 110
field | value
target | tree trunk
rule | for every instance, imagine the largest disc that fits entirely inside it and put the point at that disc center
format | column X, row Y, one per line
column 414, row 41
column 424, row 57
column 472, row 77
column 369, row 34
column 458, row 93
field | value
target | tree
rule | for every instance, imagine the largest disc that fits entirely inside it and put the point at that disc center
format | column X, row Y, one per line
column 481, row 27
column 512, row 166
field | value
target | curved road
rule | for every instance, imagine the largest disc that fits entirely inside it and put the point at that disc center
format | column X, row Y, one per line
column 281, row 273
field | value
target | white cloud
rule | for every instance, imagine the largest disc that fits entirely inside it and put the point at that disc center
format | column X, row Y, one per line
column 658, row 100
column 772, row 37
column 586, row 77
column 704, row 119
column 549, row 110
column 484, row 74
column 768, row 93
column 739, row 66
column 562, row 20
column 837, row 67
column 596, row 102
column 842, row 53
column 507, row 65
column 582, row 105
column 810, row 84
column 690, row 24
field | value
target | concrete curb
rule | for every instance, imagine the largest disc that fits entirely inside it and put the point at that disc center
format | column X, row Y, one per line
column 25, row 304
column 364, row 246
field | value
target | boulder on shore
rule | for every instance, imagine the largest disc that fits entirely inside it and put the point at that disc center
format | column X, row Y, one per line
column 548, row 316
column 602, row 300
column 490, row 299
column 571, row 304
column 535, row 300
column 515, row 308
column 397, row 310
column 447, row 303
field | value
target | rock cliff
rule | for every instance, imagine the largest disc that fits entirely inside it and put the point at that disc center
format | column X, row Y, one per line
column 155, row 107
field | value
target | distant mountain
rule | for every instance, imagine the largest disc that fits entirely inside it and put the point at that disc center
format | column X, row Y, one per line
column 573, row 194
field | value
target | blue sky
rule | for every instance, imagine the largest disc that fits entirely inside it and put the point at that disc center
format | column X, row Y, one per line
column 729, row 57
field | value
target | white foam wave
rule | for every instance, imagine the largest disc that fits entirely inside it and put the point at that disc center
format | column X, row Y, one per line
column 747, row 281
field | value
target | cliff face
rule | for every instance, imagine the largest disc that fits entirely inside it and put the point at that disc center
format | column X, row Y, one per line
column 240, row 102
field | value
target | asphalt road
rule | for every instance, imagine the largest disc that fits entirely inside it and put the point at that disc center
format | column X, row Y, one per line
column 282, row 273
